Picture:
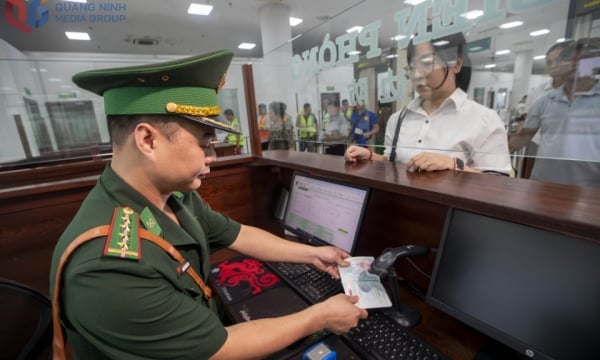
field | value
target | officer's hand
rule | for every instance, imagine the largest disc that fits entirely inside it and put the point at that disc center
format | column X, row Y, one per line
column 341, row 313
column 327, row 258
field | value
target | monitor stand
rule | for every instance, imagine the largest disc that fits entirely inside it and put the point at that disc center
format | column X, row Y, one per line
column 403, row 314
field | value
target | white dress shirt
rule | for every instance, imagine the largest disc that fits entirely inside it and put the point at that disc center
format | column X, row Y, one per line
column 460, row 127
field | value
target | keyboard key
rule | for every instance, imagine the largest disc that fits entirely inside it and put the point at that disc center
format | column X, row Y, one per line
column 311, row 283
column 379, row 337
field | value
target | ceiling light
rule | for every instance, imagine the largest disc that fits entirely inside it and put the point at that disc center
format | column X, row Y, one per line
column 413, row 2
column 502, row 52
column 353, row 52
column 354, row 28
column 199, row 9
column 66, row 86
column 561, row 40
column 54, row 80
column 294, row 38
column 71, row 35
column 398, row 37
column 490, row 66
column 441, row 43
column 539, row 57
column 391, row 56
column 511, row 24
column 472, row 15
column 246, row 46
column 539, row 32
column 295, row 21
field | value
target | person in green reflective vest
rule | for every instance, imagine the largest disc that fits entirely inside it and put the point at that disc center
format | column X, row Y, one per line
column 346, row 110
column 306, row 123
column 234, row 139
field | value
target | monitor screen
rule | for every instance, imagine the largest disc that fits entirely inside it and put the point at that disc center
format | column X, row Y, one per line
column 325, row 212
column 534, row 290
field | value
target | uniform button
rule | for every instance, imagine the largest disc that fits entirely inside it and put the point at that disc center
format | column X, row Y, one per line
column 420, row 141
column 427, row 121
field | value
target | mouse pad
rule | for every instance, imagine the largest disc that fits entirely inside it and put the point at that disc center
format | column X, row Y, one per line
column 275, row 302
column 240, row 278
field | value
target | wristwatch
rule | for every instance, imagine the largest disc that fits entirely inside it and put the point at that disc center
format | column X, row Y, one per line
column 459, row 164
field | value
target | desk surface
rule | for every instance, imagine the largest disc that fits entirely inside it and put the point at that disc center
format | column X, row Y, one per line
column 436, row 328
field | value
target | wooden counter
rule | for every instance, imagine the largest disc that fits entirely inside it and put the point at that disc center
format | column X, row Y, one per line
column 403, row 208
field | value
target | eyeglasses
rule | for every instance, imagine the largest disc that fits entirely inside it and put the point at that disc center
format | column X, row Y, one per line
column 425, row 64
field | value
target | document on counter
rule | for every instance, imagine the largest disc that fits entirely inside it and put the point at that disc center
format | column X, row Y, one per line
column 357, row 280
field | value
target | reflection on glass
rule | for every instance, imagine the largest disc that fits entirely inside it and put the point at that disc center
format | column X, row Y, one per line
column 318, row 57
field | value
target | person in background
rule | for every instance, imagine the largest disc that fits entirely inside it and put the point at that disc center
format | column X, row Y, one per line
column 441, row 128
column 363, row 125
column 306, row 124
column 236, row 140
column 346, row 110
column 324, row 106
column 335, row 134
column 568, row 122
column 123, row 297
column 263, row 126
column 558, row 71
column 383, row 114
column 281, row 128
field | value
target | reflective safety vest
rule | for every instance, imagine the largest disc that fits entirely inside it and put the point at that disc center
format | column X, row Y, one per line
column 325, row 121
column 233, row 138
column 263, row 130
column 348, row 116
column 307, row 126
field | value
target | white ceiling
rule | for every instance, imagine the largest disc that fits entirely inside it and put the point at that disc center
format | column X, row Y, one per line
column 234, row 21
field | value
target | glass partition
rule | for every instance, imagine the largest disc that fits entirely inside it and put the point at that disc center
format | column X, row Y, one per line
column 527, row 73
column 46, row 117
column 529, row 109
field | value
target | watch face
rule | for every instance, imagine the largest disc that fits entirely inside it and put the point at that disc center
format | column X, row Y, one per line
column 460, row 165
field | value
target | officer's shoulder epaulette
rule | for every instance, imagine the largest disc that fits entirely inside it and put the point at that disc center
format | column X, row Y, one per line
column 123, row 240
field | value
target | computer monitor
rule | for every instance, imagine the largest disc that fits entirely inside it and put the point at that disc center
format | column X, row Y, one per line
column 536, row 291
column 325, row 212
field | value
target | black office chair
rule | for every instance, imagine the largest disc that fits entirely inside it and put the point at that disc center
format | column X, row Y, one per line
column 25, row 322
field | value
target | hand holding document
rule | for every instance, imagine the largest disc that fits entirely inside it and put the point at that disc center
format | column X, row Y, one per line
column 357, row 280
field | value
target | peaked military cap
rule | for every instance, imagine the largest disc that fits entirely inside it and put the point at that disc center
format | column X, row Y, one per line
column 186, row 87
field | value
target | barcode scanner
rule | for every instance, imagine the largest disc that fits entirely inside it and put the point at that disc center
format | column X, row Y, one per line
column 381, row 265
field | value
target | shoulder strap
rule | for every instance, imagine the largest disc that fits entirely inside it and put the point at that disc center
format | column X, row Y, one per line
column 58, row 342
column 397, row 133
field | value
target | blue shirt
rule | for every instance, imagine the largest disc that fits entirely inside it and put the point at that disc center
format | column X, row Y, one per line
column 362, row 123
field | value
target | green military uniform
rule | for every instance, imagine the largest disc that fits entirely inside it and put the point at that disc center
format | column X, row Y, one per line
column 154, row 313
column 144, row 305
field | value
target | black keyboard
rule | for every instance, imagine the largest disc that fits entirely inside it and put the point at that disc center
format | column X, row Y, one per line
column 311, row 283
column 381, row 338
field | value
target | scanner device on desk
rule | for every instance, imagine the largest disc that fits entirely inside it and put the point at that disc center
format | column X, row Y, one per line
column 381, row 265
column 403, row 314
